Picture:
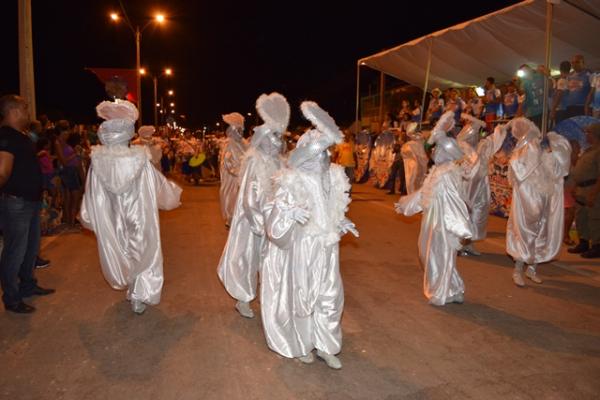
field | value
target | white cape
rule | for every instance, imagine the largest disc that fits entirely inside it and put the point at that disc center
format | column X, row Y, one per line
column 230, row 165
column 123, row 193
column 444, row 223
column 535, row 224
column 302, row 295
column 239, row 264
column 415, row 164
column 478, row 187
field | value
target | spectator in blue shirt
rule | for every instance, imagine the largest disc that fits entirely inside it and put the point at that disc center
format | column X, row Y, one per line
column 511, row 101
column 492, row 100
column 532, row 83
column 578, row 83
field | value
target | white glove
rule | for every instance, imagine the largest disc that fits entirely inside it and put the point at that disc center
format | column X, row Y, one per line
column 300, row 215
column 348, row 226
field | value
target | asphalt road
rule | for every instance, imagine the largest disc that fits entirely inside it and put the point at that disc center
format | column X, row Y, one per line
column 504, row 342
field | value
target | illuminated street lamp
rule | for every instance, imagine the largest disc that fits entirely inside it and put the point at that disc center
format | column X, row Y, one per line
column 171, row 92
column 159, row 18
column 172, row 104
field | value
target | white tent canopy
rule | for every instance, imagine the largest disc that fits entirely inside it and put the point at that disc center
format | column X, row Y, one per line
column 496, row 45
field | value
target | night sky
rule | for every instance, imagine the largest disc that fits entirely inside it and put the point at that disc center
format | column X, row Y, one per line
column 223, row 53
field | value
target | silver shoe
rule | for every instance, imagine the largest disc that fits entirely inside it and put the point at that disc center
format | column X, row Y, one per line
column 332, row 361
column 244, row 309
column 138, row 307
column 518, row 278
column 531, row 274
column 307, row 359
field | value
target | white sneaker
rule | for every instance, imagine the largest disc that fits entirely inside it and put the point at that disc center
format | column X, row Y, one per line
column 458, row 298
column 307, row 359
column 531, row 274
column 244, row 309
column 470, row 250
column 332, row 361
column 518, row 278
column 138, row 307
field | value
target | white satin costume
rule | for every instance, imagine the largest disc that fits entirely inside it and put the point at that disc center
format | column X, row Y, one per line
column 415, row 160
column 123, row 193
column 478, row 187
column 535, row 224
column 230, row 165
column 445, row 221
column 240, row 260
column 302, row 295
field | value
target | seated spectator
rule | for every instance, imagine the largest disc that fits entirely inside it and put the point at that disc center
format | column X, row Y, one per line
column 491, row 99
column 455, row 104
column 416, row 111
column 474, row 104
column 436, row 106
column 511, row 101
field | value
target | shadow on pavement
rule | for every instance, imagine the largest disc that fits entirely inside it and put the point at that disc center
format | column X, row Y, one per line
column 125, row 346
column 540, row 334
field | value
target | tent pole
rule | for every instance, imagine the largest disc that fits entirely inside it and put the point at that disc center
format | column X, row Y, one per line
column 381, row 98
column 356, row 126
column 425, row 86
column 549, row 10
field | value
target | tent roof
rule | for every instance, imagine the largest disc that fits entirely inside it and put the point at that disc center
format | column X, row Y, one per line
column 496, row 45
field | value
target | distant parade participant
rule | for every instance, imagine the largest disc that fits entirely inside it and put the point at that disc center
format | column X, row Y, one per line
column 414, row 158
column 230, row 163
column 302, row 295
column 122, row 196
column 153, row 145
column 239, row 264
column 478, row 187
column 446, row 223
column 535, row 223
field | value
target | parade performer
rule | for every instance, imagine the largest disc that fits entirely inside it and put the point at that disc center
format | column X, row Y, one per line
column 229, row 164
column 446, row 224
column 154, row 145
column 414, row 158
column 535, row 224
column 302, row 296
column 122, row 196
column 478, row 187
column 238, row 267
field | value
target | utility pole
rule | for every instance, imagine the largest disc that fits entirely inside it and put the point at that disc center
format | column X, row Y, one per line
column 138, row 75
column 26, row 77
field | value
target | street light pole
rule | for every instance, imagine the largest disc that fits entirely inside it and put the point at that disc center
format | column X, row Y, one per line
column 138, row 76
column 155, row 81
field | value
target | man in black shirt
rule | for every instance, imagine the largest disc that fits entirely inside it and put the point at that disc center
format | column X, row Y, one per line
column 20, row 198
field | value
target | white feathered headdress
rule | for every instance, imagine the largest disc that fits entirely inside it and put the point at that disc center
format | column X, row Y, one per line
column 120, row 117
column 315, row 141
column 274, row 110
column 118, row 109
column 234, row 119
column 146, row 131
